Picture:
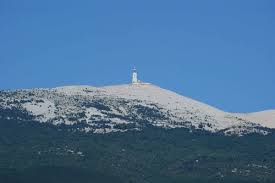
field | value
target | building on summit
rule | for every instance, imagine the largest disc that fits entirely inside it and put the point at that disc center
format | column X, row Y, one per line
column 135, row 77
column 135, row 80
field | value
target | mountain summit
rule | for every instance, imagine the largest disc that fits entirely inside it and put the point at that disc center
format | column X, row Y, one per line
column 126, row 107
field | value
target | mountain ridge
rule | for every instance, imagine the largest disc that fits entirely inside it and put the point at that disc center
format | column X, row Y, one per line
column 101, row 109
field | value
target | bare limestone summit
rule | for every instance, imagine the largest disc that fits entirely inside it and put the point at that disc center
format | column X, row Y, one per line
column 126, row 107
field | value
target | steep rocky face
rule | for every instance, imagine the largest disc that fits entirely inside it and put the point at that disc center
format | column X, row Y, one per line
column 121, row 108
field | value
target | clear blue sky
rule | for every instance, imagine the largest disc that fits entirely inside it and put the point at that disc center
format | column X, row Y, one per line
column 218, row 52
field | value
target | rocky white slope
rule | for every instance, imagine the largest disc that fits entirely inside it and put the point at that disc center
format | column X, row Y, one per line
column 264, row 118
column 126, row 107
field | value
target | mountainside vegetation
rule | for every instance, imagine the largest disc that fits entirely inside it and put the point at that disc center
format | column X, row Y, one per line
column 42, row 152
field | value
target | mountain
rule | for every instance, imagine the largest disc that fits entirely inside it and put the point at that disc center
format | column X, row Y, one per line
column 137, row 133
column 126, row 107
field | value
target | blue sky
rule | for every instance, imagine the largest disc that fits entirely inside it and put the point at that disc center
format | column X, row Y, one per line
column 218, row 52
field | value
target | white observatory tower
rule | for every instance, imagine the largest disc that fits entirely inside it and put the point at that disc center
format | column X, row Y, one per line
column 134, row 76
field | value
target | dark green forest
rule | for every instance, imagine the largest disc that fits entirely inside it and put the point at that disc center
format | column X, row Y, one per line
column 32, row 152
